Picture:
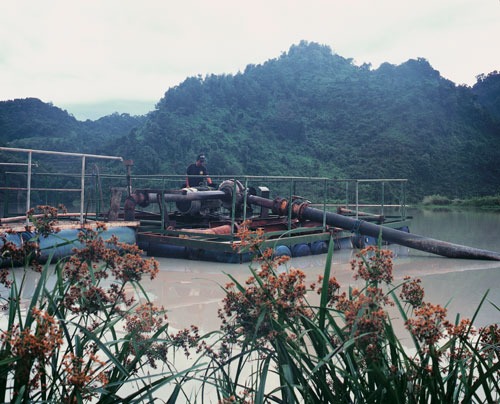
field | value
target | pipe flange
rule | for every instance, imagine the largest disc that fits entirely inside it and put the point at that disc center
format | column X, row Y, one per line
column 229, row 187
column 298, row 206
column 141, row 198
column 280, row 206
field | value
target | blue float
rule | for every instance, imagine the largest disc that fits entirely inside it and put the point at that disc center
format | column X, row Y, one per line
column 301, row 250
column 319, row 247
column 55, row 246
column 58, row 245
column 282, row 250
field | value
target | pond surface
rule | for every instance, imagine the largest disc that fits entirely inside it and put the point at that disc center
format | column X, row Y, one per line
column 191, row 290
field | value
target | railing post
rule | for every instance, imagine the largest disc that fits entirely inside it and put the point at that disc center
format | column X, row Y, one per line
column 82, row 191
column 233, row 206
column 383, row 199
column 403, row 200
column 290, row 195
column 325, row 196
column 357, row 199
column 6, row 196
column 245, row 194
column 28, row 186
column 347, row 194
column 163, row 206
column 128, row 165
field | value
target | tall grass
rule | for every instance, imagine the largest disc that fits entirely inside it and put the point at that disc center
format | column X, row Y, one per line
column 90, row 333
column 345, row 349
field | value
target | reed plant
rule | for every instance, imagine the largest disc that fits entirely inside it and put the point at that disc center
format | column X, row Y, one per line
column 278, row 346
column 89, row 333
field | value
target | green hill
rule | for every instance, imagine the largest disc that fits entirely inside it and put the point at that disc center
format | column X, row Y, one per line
column 309, row 112
column 487, row 90
column 31, row 123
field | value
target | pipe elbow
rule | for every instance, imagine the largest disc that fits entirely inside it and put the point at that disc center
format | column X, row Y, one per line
column 137, row 198
column 129, row 208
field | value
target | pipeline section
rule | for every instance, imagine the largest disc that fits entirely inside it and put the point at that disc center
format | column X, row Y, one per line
column 303, row 211
column 443, row 248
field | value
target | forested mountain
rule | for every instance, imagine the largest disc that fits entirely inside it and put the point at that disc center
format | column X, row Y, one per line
column 487, row 90
column 31, row 123
column 309, row 112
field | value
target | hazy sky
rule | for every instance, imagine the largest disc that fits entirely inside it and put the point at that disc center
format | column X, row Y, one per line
column 83, row 51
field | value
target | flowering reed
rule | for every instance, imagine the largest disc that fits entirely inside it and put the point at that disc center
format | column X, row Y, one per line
column 85, row 337
column 346, row 349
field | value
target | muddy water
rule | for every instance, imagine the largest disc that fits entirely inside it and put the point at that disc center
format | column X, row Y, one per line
column 191, row 290
column 192, row 293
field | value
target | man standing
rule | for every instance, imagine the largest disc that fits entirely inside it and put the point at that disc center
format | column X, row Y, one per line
column 197, row 173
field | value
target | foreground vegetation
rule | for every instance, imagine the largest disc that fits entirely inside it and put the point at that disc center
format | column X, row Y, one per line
column 90, row 333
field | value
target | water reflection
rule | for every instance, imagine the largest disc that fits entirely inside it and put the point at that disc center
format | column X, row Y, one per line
column 479, row 229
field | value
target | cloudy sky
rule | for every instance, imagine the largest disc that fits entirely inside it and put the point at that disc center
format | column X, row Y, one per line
column 88, row 51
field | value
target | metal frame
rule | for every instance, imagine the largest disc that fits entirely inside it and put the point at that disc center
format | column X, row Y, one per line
column 82, row 180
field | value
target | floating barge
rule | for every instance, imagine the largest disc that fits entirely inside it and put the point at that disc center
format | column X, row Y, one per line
column 31, row 181
column 165, row 219
column 202, row 223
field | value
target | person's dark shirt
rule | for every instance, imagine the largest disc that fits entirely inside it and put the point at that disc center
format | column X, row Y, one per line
column 196, row 174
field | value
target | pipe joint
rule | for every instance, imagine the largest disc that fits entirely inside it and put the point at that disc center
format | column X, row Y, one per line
column 298, row 206
column 280, row 206
column 140, row 198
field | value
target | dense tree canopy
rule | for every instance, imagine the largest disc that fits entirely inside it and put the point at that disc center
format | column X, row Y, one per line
column 308, row 112
column 487, row 90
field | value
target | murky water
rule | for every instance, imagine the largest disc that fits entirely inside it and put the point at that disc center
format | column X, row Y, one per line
column 191, row 290
column 192, row 293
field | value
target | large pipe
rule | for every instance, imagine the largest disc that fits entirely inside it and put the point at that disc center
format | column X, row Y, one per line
column 303, row 211
column 144, row 197
column 192, row 196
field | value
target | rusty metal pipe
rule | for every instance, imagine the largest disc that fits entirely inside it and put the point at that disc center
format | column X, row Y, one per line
column 443, row 248
column 415, row 241
column 192, row 196
column 224, row 229
column 143, row 198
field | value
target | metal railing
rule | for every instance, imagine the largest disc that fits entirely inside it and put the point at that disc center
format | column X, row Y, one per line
column 30, row 165
column 357, row 194
column 378, row 195
column 358, row 182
